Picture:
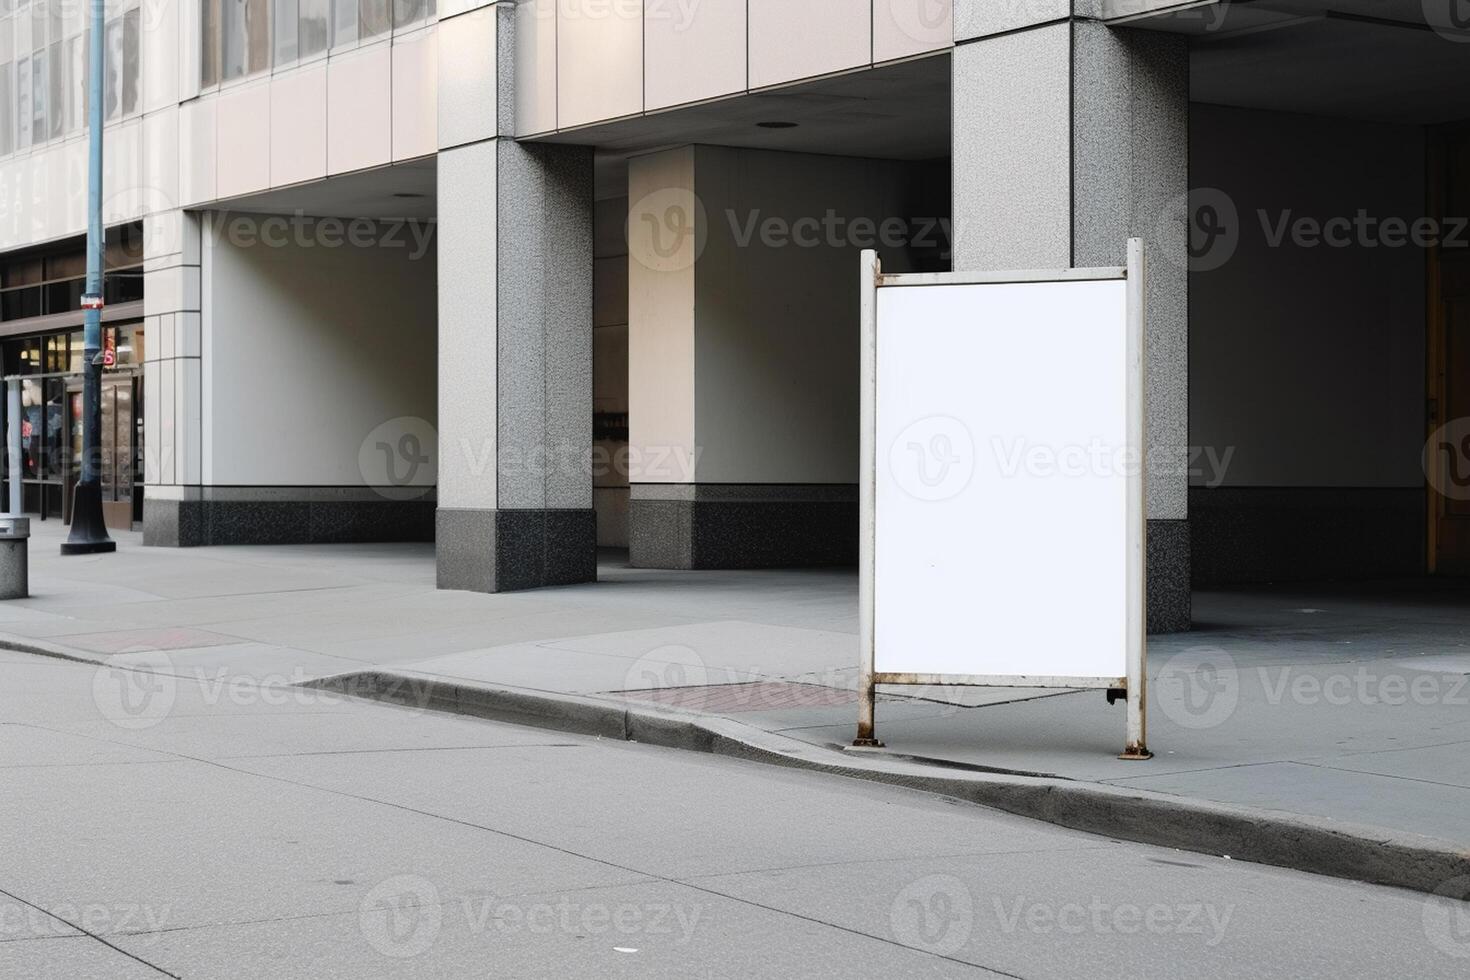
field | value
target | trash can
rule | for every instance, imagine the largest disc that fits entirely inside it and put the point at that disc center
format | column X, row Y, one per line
column 15, row 536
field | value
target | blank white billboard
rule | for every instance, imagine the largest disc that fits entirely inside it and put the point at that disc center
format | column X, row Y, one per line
column 1002, row 463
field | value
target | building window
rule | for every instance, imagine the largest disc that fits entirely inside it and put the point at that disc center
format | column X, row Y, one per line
column 374, row 17
column 232, row 39
column 237, row 37
column 344, row 22
column 288, row 27
column 38, row 96
column 316, row 26
column 43, row 68
column 245, row 45
column 209, row 38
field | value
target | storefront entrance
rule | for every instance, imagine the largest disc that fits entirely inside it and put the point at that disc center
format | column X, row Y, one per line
column 46, row 370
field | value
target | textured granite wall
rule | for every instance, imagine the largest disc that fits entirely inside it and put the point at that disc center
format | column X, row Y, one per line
column 1071, row 137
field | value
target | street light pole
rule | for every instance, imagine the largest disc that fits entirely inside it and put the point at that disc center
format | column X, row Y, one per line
column 88, row 531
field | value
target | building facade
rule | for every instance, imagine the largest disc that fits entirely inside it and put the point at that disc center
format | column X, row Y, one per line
column 530, row 278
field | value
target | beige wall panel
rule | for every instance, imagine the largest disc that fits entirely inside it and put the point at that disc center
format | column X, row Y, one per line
column 299, row 125
column 359, row 109
column 694, row 53
column 790, row 40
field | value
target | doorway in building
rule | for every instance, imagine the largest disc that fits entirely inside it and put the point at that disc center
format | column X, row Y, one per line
column 122, row 440
column 1447, row 456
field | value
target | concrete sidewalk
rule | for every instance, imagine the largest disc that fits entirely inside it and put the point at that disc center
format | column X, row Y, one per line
column 1345, row 706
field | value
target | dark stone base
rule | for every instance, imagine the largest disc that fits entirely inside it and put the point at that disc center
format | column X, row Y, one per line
column 1167, row 588
column 1253, row 535
column 742, row 533
column 510, row 550
column 194, row 523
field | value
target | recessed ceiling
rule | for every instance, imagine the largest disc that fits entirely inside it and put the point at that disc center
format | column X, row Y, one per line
column 378, row 193
column 897, row 112
column 1378, row 60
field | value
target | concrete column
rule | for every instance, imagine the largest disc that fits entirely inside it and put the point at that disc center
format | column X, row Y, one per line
column 515, row 344
column 172, row 397
column 1069, row 138
column 743, row 354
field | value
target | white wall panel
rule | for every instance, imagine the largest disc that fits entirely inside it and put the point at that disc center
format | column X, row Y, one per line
column 361, row 354
column 72, row 203
column 243, row 139
column 359, row 109
column 299, row 126
column 196, row 152
column 161, row 161
column 38, row 207
column 535, row 67
column 467, row 77
column 902, row 28
column 415, row 95
column 694, row 53
column 811, row 37
column 122, row 172
column 599, row 62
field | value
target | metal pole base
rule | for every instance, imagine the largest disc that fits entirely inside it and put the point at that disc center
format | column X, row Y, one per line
column 866, row 743
column 88, row 531
column 1136, row 753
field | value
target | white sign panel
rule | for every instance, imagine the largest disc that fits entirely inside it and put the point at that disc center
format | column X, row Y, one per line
column 1001, row 479
column 1002, row 483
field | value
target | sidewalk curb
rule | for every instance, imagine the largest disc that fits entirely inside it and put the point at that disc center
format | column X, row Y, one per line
column 1271, row 837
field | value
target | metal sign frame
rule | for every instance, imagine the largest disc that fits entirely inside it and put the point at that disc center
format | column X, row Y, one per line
column 1134, row 683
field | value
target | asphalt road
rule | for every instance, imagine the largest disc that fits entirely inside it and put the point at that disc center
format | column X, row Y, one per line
column 198, row 826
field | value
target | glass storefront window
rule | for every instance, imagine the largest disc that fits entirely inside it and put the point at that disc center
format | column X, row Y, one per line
column 51, row 420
